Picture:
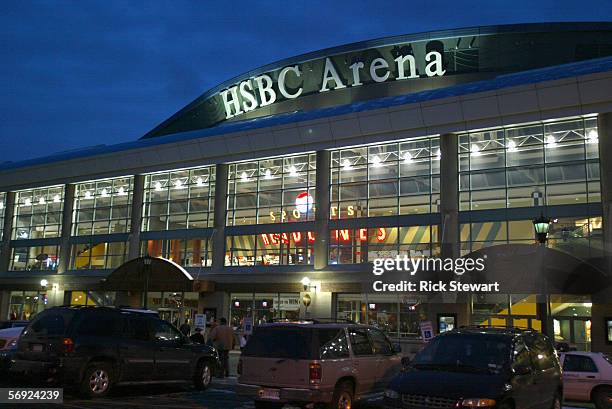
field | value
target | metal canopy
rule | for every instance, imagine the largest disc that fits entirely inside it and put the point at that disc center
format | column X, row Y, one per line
column 164, row 275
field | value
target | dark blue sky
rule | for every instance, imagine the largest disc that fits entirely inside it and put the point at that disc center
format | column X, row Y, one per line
column 81, row 73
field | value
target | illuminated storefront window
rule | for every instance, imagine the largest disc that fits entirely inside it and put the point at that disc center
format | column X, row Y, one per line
column 579, row 236
column 263, row 307
column 93, row 256
column 34, row 258
column 268, row 249
column 276, row 190
column 24, row 304
column 179, row 200
column 518, row 310
column 351, row 246
column 541, row 164
column 572, row 320
column 398, row 316
column 38, row 213
column 196, row 252
column 102, row 298
column 103, row 207
column 386, row 180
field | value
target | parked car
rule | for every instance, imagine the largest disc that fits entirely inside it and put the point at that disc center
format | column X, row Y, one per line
column 8, row 346
column 310, row 362
column 99, row 347
column 12, row 324
column 587, row 377
column 481, row 367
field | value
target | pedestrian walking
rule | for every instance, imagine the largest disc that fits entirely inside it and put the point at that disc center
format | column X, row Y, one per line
column 222, row 337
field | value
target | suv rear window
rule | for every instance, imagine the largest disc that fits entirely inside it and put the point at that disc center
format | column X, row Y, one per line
column 50, row 322
column 280, row 342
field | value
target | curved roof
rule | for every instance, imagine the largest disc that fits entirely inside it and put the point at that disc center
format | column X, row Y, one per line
column 196, row 115
column 162, row 274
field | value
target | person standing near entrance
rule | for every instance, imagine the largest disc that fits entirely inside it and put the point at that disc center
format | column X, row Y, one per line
column 222, row 337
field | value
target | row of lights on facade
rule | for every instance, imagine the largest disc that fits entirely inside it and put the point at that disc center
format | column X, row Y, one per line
column 268, row 174
column 178, row 184
column 104, row 193
column 551, row 142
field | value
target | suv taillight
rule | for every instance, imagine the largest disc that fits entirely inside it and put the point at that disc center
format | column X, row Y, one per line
column 314, row 373
column 239, row 368
column 67, row 346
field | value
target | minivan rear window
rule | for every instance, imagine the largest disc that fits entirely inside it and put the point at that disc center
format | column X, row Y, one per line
column 280, row 342
column 50, row 323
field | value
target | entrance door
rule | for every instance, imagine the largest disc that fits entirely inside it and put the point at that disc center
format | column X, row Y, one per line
column 575, row 331
column 171, row 315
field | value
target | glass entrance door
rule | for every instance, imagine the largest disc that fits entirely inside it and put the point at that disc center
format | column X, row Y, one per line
column 573, row 331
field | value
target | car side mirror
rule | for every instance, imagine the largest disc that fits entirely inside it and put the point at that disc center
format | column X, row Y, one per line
column 397, row 348
column 522, row 370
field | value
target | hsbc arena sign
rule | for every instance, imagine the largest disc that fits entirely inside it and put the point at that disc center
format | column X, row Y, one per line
column 264, row 90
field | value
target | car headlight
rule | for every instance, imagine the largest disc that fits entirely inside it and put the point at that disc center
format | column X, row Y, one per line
column 391, row 394
column 12, row 344
column 478, row 403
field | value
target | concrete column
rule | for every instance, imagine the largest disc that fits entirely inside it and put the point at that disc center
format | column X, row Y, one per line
column 136, row 218
column 64, row 252
column 321, row 248
column 5, row 250
column 218, row 238
column 448, row 233
column 604, row 124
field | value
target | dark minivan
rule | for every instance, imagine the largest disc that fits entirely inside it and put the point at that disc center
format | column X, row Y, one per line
column 481, row 367
column 98, row 347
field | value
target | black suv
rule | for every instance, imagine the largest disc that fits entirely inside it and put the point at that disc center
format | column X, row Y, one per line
column 481, row 367
column 98, row 347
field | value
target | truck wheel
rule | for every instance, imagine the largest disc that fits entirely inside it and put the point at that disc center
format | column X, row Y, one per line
column 97, row 380
column 260, row 404
column 603, row 398
column 203, row 376
column 343, row 396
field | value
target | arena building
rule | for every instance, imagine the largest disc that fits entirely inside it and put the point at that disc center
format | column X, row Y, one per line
column 271, row 195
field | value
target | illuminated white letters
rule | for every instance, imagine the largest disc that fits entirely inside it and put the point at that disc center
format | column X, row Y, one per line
column 281, row 82
column 249, row 101
column 401, row 60
column 377, row 64
column 330, row 74
column 230, row 103
column 355, row 68
column 436, row 63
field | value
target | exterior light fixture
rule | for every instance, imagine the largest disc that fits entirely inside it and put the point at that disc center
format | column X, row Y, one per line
column 551, row 142
column 104, row 192
column 1, row 205
column 244, row 177
column 56, row 199
column 346, row 165
column 438, row 154
column 158, row 186
column 306, row 283
column 268, row 174
column 541, row 226
column 122, row 191
column 178, row 184
column 44, row 283
column 592, row 136
column 292, row 171
column 28, row 202
column 376, row 162
column 511, row 146
column 88, row 195
column 408, row 158
column 41, row 200
column 199, row 182
column 474, row 150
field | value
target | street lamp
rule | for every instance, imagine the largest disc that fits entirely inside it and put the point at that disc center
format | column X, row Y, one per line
column 43, row 284
column 306, row 283
column 147, row 259
column 541, row 226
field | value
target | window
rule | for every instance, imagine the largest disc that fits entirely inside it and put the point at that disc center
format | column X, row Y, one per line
column 25, row 304
column 265, row 249
column 380, row 343
column 353, row 246
column 179, row 200
column 530, row 165
column 578, row 363
column 2, row 210
column 100, row 324
column 280, row 342
column 165, row 332
column 102, row 255
column 332, row 344
column 103, row 207
column 34, row 258
column 196, row 252
column 386, row 180
column 542, row 353
column 263, row 307
column 521, row 356
column 38, row 213
column 275, row 190
column 360, row 342
column 137, row 328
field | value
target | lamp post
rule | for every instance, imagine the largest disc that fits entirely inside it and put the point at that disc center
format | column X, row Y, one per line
column 147, row 259
column 541, row 226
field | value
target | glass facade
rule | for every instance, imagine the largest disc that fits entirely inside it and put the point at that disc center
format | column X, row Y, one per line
column 38, row 213
column 275, row 190
column 34, row 258
column 103, row 207
column 98, row 255
column 386, row 180
column 24, row 304
column 351, row 246
column 2, row 210
column 263, row 307
column 179, row 200
column 270, row 249
column 195, row 252
column 554, row 163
